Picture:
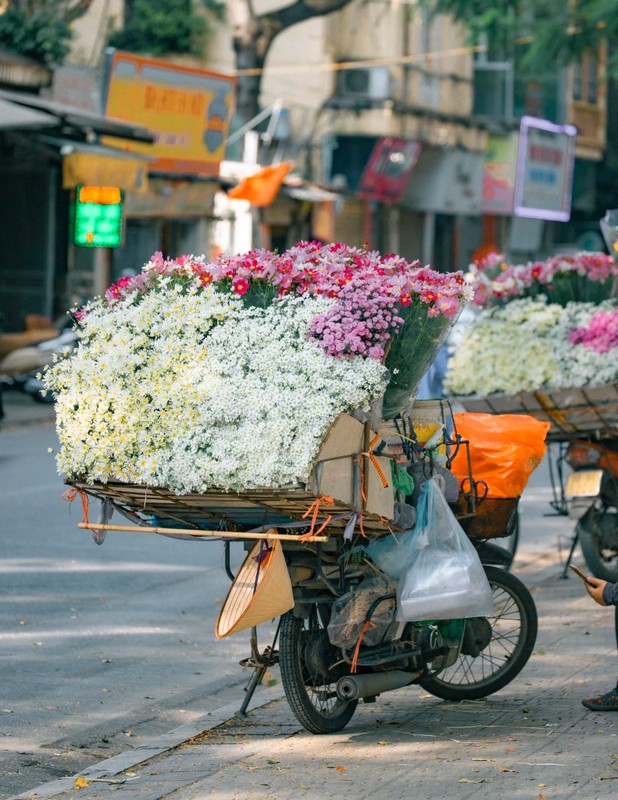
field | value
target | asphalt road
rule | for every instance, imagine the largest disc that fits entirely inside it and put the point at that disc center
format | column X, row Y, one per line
column 103, row 646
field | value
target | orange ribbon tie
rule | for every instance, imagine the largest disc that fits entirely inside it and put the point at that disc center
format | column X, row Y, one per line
column 314, row 510
column 369, row 454
column 71, row 494
column 366, row 625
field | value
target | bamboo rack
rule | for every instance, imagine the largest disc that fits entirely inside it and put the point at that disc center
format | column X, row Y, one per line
column 269, row 534
column 155, row 508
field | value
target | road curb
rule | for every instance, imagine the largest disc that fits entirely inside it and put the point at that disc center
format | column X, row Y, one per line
column 25, row 423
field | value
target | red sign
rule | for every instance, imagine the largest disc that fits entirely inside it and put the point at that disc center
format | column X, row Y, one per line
column 389, row 168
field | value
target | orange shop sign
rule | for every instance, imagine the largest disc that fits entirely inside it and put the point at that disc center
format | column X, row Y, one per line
column 188, row 110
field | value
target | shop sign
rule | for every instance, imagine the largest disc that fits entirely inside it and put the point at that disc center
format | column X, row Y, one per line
column 499, row 174
column 98, row 216
column 78, row 86
column 445, row 182
column 188, row 111
column 544, row 177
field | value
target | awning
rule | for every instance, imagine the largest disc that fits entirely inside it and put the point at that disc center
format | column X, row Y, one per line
column 97, row 165
column 73, row 119
column 14, row 117
column 104, row 170
column 172, row 199
column 311, row 193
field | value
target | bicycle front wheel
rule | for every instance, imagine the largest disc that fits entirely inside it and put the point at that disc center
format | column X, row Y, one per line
column 309, row 674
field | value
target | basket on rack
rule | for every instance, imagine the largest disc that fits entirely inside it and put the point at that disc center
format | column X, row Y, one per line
column 492, row 518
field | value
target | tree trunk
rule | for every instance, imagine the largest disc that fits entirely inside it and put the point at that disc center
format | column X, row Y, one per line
column 66, row 11
column 76, row 10
column 252, row 37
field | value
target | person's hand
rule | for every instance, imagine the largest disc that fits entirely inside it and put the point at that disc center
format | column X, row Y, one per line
column 594, row 587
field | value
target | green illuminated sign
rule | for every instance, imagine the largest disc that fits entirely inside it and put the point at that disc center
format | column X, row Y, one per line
column 98, row 216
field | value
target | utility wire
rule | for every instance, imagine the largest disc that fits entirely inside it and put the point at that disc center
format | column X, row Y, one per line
column 371, row 62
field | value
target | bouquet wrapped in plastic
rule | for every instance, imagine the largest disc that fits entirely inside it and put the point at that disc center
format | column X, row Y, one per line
column 228, row 374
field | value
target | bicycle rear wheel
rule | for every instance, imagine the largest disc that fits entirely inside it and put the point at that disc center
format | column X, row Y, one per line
column 494, row 649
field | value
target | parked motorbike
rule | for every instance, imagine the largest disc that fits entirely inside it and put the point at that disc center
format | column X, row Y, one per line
column 463, row 659
column 20, row 368
column 454, row 659
column 591, row 493
column 340, row 637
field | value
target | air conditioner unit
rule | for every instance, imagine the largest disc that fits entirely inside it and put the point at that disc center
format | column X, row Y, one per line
column 493, row 90
column 364, row 83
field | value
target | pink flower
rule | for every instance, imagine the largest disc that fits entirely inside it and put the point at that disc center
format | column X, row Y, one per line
column 576, row 274
column 601, row 333
column 369, row 290
column 240, row 286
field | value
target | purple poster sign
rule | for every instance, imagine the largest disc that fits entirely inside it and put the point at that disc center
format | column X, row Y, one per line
column 544, row 178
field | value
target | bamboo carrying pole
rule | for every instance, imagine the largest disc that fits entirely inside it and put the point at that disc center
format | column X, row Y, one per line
column 271, row 533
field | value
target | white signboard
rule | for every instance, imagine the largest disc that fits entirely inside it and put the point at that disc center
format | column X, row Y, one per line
column 544, row 177
column 445, row 182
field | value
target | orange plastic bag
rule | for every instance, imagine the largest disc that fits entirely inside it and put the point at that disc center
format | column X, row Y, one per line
column 504, row 450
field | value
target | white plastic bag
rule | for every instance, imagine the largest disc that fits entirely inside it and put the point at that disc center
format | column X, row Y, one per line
column 444, row 578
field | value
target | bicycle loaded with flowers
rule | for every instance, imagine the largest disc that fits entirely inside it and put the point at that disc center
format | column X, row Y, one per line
column 563, row 315
column 269, row 398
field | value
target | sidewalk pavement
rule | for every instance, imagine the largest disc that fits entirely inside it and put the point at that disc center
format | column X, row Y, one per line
column 533, row 739
column 21, row 409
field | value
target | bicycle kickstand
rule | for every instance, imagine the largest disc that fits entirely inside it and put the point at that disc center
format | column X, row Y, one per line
column 260, row 662
column 565, row 571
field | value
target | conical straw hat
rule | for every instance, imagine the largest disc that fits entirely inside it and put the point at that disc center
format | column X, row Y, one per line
column 262, row 590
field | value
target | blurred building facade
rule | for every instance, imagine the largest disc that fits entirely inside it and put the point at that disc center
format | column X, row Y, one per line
column 402, row 136
column 418, row 133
